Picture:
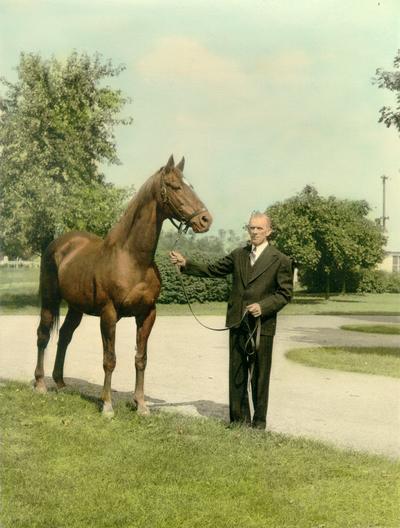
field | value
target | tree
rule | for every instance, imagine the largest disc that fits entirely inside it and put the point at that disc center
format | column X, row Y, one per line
column 391, row 81
column 56, row 127
column 331, row 241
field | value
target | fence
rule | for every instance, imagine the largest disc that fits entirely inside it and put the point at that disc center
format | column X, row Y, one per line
column 19, row 263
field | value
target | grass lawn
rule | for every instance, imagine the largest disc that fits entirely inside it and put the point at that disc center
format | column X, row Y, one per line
column 63, row 465
column 308, row 304
column 19, row 291
column 368, row 360
column 19, row 295
column 351, row 304
column 392, row 329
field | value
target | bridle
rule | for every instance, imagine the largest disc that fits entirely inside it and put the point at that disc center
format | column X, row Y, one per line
column 184, row 223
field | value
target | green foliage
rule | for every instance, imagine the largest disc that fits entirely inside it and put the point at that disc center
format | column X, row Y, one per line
column 330, row 240
column 203, row 249
column 56, row 127
column 95, row 207
column 63, row 465
column 378, row 281
column 390, row 80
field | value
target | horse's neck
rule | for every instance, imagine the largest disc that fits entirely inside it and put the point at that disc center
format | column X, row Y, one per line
column 138, row 230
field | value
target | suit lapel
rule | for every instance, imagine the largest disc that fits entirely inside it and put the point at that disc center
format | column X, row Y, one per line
column 244, row 263
column 264, row 261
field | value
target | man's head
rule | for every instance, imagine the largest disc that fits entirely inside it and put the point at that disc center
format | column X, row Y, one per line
column 259, row 228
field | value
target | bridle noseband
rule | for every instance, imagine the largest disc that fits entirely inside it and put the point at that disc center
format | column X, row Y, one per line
column 184, row 223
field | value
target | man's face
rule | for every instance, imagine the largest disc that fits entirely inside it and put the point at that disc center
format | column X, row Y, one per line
column 259, row 228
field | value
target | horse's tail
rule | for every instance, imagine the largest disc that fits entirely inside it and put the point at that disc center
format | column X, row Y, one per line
column 49, row 288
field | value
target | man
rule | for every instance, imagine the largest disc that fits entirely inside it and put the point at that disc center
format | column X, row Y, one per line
column 262, row 285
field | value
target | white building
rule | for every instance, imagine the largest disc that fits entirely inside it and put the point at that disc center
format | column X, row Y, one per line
column 390, row 262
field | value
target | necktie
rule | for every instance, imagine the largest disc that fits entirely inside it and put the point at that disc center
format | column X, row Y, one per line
column 252, row 256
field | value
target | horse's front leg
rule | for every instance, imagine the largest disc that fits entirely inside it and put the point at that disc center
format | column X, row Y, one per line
column 108, row 322
column 144, row 324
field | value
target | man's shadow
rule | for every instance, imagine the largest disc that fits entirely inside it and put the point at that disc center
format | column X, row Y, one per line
column 91, row 392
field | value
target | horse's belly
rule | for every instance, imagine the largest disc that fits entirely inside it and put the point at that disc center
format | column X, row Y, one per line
column 80, row 289
column 82, row 296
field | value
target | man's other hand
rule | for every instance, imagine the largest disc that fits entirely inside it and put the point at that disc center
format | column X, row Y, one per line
column 254, row 309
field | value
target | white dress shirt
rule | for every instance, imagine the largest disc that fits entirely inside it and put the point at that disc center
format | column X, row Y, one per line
column 256, row 252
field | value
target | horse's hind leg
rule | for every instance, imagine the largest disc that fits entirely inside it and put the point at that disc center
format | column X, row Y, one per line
column 49, row 314
column 108, row 322
column 144, row 326
column 71, row 322
column 47, row 318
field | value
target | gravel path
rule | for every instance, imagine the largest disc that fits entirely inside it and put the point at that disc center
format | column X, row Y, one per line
column 188, row 371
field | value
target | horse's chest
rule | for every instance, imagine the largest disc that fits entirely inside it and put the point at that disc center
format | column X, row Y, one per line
column 143, row 293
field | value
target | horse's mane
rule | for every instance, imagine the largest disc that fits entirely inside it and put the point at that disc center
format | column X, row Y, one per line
column 128, row 218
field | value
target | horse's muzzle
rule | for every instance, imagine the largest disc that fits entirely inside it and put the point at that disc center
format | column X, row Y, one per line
column 202, row 222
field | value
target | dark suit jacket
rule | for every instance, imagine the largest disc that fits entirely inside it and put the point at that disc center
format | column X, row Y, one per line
column 269, row 282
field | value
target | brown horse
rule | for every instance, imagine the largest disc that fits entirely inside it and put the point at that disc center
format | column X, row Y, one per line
column 114, row 277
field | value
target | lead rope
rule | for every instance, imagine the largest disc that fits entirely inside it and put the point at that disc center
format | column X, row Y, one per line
column 255, row 343
column 178, row 270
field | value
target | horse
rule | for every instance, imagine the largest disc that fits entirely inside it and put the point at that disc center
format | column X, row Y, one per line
column 114, row 277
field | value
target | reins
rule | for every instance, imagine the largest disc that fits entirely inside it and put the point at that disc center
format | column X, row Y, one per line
column 254, row 334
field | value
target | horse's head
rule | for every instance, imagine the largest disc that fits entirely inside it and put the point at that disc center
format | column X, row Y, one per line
column 178, row 199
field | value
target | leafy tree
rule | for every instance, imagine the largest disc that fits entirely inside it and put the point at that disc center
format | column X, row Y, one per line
column 331, row 241
column 391, row 81
column 56, row 127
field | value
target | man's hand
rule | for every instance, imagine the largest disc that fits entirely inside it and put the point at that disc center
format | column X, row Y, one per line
column 254, row 309
column 176, row 258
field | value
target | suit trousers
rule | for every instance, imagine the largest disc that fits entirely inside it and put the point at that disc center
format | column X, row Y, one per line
column 242, row 364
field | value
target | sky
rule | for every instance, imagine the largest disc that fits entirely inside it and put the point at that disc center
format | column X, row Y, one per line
column 262, row 97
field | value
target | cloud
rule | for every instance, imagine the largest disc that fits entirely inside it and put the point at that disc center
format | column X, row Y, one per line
column 179, row 58
column 185, row 59
column 233, row 93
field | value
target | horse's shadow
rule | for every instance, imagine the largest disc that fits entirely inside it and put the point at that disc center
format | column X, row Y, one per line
column 90, row 392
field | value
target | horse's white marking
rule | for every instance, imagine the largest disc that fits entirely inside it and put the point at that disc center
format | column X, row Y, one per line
column 185, row 180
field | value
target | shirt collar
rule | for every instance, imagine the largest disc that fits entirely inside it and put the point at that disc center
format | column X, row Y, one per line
column 259, row 249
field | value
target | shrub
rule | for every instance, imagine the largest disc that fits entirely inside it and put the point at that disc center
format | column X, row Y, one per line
column 378, row 281
column 197, row 289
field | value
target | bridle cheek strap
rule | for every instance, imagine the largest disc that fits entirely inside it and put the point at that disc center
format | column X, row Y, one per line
column 184, row 223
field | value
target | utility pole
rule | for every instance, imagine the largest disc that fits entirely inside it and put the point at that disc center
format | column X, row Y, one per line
column 384, row 217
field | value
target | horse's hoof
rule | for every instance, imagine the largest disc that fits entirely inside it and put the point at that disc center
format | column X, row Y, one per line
column 40, row 387
column 60, row 385
column 143, row 410
column 108, row 411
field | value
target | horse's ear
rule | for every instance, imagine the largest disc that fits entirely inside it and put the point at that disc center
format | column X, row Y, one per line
column 181, row 164
column 170, row 164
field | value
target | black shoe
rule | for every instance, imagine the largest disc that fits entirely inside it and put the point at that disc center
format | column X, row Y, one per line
column 261, row 426
column 236, row 424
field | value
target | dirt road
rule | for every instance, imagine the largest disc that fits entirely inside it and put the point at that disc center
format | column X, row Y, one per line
column 187, row 371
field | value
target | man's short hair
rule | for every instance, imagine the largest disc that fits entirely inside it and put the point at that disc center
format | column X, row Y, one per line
column 260, row 214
